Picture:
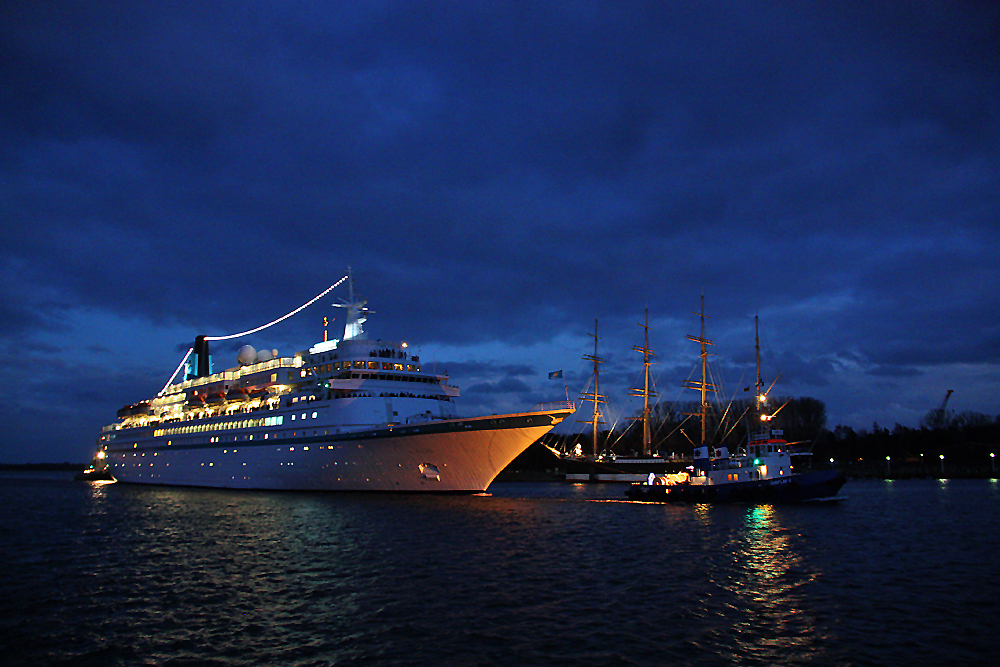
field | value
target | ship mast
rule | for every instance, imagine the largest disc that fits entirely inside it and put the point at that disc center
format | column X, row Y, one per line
column 594, row 396
column 644, row 392
column 357, row 311
column 704, row 386
column 760, row 393
column 756, row 344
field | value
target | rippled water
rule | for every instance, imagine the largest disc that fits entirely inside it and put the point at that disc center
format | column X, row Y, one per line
column 542, row 574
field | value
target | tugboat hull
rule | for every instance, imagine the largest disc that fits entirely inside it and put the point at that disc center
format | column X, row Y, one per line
column 791, row 489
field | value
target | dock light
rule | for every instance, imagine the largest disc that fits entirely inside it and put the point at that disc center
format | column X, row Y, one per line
column 403, row 345
column 101, row 455
column 831, row 460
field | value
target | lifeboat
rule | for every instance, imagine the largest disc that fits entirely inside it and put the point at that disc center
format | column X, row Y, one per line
column 196, row 401
column 261, row 394
column 134, row 409
column 216, row 398
column 237, row 395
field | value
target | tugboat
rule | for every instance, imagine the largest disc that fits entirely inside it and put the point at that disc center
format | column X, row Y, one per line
column 97, row 471
column 763, row 475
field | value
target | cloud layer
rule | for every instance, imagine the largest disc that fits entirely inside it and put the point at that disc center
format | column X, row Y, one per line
column 500, row 175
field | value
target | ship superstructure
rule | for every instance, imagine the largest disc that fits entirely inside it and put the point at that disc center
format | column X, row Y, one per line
column 350, row 414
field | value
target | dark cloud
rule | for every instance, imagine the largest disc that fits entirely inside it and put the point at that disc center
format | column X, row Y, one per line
column 507, row 173
column 487, row 367
column 507, row 385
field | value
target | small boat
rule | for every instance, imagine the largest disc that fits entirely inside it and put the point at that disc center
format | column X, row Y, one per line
column 237, row 395
column 135, row 409
column 93, row 475
column 763, row 474
column 97, row 471
column 215, row 398
column 258, row 394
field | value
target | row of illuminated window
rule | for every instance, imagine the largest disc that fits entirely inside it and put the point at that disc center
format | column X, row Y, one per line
column 371, row 365
column 223, row 426
column 293, row 362
column 757, row 450
column 391, row 378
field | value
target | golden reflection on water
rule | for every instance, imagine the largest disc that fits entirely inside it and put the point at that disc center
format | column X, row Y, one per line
column 99, row 490
column 703, row 514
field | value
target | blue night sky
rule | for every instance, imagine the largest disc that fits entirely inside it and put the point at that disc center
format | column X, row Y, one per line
column 499, row 175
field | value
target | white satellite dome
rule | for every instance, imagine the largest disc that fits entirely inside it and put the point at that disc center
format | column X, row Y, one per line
column 264, row 355
column 246, row 356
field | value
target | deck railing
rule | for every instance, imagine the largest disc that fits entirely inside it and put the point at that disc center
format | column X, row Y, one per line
column 554, row 405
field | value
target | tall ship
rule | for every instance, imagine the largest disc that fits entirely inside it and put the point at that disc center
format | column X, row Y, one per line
column 603, row 464
column 343, row 415
column 763, row 473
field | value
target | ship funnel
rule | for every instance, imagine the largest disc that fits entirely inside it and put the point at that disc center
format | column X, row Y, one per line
column 201, row 352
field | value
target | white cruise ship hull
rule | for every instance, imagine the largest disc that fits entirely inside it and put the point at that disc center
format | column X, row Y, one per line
column 457, row 455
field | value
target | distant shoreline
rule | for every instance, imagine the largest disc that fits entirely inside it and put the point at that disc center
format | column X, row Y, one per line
column 58, row 467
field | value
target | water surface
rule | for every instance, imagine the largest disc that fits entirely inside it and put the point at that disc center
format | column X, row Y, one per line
column 541, row 574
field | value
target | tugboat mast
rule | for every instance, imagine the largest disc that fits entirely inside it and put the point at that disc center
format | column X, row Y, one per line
column 594, row 396
column 644, row 392
column 756, row 344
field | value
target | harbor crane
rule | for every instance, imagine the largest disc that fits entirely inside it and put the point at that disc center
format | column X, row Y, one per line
column 938, row 418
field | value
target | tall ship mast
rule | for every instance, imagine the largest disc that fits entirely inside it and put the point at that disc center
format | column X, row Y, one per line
column 645, row 392
column 343, row 415
column 595, row 395
column 703, row 385
column 763, row 474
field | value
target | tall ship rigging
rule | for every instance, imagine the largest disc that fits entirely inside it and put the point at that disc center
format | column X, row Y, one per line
column 763, row 473
column 602, row 464
column 343, row 415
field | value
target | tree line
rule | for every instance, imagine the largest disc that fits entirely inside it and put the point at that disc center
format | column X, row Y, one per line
column 945, row 444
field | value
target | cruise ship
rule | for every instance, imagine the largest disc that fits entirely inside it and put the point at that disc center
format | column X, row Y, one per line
column 344, row 415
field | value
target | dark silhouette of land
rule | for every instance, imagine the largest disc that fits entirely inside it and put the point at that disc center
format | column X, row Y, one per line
column 944, row 445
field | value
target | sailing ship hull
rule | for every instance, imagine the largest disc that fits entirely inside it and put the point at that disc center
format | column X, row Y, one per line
column 790, row 489
column 458, row 456
column 620, row 469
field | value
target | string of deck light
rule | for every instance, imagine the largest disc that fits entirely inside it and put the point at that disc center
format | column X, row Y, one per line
column 280, row 319
column 174, row 374
column 251, row 331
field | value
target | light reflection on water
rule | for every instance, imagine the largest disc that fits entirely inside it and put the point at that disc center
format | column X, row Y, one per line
column 775, row 625
column 532, row 574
